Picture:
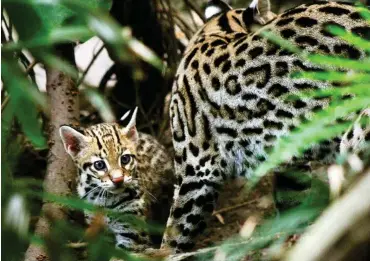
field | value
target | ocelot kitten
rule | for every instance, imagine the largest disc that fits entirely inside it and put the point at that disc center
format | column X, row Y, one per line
column 123, row 170
column 227, row 108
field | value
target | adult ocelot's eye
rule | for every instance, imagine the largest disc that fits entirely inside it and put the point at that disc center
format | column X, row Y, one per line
column 99, row 165
column 125, row 159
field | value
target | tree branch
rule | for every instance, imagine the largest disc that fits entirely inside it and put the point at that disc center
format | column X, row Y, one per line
column 60, row 175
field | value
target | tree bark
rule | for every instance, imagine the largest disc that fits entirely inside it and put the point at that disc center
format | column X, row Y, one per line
column 60, row 174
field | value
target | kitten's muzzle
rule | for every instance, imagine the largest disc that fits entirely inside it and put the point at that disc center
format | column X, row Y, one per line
column 116, row 176
column 117, row 180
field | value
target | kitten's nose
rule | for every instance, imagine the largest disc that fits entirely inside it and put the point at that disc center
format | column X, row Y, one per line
column 116, row 176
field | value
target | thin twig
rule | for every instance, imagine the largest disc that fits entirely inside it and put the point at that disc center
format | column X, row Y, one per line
column 227, row 209
column 3, row 37
column 7, row 26
column 106, row 78
column 30, row 66
column 196, row 9
column 77, row 245
column 183, row 25
column 173, row 57
column 81, row 79
column 191, row 15
column 5, row 102
column 121, row 104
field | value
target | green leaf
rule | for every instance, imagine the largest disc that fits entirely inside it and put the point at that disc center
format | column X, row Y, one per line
column 122, row 44
column 82, row 205
column 145, row 53
column 100, row 103
column 334, row 76
column 309, row 133
column 364, row 12
column 323, row 60
column 19, row 12
column 342, row 63
column 333, row 92
column 10, row 150
column 72, row 202
column 56, row 62
column 60, row 35
column 349, row 37
column 24, row 98
column 284, row 43
column 55, row 15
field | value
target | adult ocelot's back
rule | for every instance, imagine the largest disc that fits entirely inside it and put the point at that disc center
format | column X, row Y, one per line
column 227, row 107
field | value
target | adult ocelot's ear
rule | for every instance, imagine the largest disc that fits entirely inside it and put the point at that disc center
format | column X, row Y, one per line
column 73, row 140
column 130, row 130
column 259, row 11
column 215, row 7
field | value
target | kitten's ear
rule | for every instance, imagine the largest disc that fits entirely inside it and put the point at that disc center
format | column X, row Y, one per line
column 130, row 130
column 262, row 11
column 215, row 7
column 73, row 140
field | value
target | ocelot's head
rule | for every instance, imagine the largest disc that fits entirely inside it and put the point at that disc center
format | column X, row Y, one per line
column 105, row 154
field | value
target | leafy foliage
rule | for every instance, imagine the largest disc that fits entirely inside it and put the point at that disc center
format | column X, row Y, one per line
column 60, row 21
column 50, row 23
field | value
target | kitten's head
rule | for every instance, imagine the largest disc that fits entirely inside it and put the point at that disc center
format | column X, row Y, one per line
column 105, row 154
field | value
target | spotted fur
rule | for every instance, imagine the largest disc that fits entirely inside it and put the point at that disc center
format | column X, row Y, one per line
column 123, row 170
column 227, row 108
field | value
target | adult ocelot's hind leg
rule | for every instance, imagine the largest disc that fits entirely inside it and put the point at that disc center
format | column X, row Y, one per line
column 199, row 172
column 194, row 199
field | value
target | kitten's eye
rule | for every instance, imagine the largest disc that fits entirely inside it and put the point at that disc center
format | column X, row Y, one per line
column 99, row 165
column 125, row 159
